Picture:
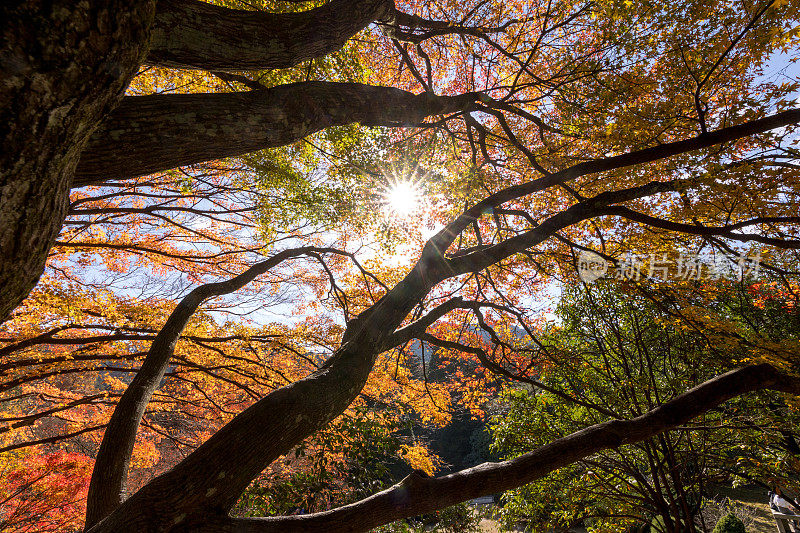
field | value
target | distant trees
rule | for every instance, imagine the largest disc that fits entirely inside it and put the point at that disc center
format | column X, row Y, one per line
column 616, row 351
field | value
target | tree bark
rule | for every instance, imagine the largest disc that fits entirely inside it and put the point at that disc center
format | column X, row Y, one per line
column 148, row 134
column 198, row 35
column 65, row 65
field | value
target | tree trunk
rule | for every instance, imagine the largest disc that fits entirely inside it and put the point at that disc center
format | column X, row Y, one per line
column 65, row 65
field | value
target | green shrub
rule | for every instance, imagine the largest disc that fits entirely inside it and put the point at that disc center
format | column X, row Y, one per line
column 729, row 524
column 460, row 518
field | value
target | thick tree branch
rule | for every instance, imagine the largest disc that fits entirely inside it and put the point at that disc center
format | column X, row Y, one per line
column 484, row 256
column 147, row 134
column 418, row 494
column 198, row 35
column 723, row 231
column 221, row 469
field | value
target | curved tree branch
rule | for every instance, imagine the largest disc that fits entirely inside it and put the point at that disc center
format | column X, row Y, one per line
column 484, row 256
column 418, row 327
column 723, row 231
column 213, row 476
column 445, row 237
column 216, row 473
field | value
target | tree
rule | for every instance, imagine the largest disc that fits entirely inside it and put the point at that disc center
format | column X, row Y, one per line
column 41, row 491
column 551, row 121
column 616, row 352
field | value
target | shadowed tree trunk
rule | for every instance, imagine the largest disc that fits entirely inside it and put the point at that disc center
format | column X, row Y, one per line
column 64, row 66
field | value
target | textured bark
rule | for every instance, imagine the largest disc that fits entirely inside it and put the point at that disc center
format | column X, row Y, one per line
column 197, row 35
column 64, row 65
column 148, row 134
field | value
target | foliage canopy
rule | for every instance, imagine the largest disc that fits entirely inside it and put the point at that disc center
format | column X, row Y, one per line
column 229, row 308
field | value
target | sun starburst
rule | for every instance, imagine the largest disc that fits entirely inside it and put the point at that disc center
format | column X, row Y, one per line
column 402, row 198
